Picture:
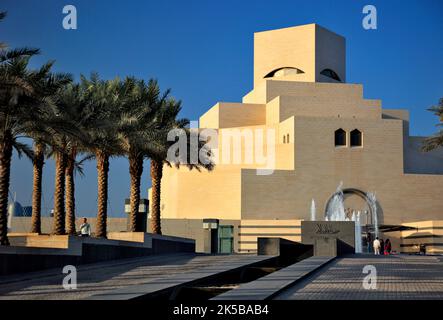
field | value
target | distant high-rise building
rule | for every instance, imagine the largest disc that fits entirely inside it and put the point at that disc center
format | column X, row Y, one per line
column 27, row 211
column 15, row 209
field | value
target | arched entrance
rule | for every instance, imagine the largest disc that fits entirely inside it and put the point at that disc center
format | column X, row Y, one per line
column 346, row 204
column 351, row 197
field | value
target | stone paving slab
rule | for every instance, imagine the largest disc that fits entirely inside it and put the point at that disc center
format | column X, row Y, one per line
column 399, row 277
column 184, row 279
column 106, row 276
column 267, row 286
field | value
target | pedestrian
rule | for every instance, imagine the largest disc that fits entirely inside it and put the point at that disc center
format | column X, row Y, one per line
column 422, row 249
column 376, row 246
column 382, row 247
column 369, row 241
column 85, row 228
column 388, row 247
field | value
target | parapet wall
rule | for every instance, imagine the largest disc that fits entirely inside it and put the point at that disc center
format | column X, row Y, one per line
column 27, row 253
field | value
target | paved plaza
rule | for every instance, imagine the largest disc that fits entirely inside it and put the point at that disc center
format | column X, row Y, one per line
column 99, row 278
column 398, row 277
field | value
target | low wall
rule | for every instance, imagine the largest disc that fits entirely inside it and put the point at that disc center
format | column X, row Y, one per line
column 287, row 251
column 44, row 252
column 184, row 228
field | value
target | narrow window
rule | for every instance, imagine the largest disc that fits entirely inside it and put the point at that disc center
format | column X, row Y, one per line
column 356, row 138
column 284, row 139
column 340, row 138
column 330, row 74
column 287, row 138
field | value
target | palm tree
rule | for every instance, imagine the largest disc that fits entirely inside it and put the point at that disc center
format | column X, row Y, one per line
column 435, row 141
column 38, row 163
column 72, row 100
column 69, row 98
column 23, row 97
column 101, row 116
column 41, row 130
column 139, row 132
column 167, row 120
column 21, row 105
column 73, row 112
column 70, row 191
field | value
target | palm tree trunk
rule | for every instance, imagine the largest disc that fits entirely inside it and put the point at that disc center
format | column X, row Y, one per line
column 156, row 176
column 59, row 194
column 38, row 162
column 70, row 193
column 5, row 170
column 102, row 184
column 135, row 171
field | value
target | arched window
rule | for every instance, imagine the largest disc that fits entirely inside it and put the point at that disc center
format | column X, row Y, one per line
column 283, row 72
column 287, row 138
column 340, row 138
column 330, row 74
column 284, row 139
column 356, row 138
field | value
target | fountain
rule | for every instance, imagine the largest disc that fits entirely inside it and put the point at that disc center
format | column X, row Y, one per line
column 356, row 217
column 336, row 210
column 372, row 201
column 312, row 210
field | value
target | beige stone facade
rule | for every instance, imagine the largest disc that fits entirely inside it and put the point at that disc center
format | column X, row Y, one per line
column 303, row 106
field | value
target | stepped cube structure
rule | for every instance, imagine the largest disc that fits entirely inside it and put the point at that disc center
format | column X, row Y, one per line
column 314, row 132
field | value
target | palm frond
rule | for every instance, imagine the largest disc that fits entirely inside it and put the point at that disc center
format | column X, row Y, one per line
column 78, row 167
column 23, row 149
column 11, row 54
column 433, row 142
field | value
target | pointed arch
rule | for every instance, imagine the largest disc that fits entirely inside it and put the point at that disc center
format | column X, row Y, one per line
column 356, row 138
column 340, row 138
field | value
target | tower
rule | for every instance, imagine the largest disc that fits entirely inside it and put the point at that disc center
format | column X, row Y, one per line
column 307, row 53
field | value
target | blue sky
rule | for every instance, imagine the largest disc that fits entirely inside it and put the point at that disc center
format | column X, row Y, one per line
column 203, row 51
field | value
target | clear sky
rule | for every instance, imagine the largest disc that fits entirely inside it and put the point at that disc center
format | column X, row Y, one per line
column 203, row 51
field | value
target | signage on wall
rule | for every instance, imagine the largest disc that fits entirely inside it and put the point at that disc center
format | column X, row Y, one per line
column 326, row 229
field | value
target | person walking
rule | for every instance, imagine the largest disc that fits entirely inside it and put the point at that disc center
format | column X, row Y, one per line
column 382, row 247
column 85, row 228
column 376, row 246
column 388, row 247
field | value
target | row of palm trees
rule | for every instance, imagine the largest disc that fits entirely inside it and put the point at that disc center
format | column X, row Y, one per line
column 75, row 122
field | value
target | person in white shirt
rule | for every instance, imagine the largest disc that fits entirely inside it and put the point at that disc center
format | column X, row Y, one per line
column 85, row 228
column 376, row 246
